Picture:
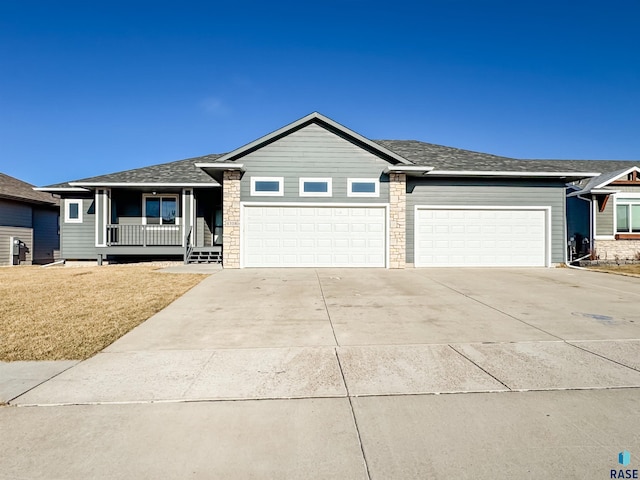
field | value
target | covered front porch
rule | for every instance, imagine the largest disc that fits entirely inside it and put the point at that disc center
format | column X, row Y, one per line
column 143, row 222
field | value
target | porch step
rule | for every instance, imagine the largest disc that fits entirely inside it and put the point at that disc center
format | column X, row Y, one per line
column 205, row 255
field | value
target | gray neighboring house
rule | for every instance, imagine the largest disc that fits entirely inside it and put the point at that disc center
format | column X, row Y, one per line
column 32, row 218
column 612, row 202
column 316, row 194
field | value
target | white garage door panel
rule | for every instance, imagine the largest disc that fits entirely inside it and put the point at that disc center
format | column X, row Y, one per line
column 480, row 238
column 314, row 236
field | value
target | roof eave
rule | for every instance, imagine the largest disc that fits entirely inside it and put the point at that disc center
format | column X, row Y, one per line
column 219, row 166
column 567, row 176
column 89, row 185
column 593, row 191
column 59, row 189
column 413, row 170
column 32, row 201
column 626, row 172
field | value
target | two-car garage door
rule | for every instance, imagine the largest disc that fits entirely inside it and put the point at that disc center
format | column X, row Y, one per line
column 314, row 236
column 481, row 237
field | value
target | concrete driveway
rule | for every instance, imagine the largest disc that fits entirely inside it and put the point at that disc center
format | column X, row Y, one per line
column 333, row 374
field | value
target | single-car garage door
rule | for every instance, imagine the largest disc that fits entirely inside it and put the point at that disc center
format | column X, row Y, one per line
column 480, row 237
column 314, row 236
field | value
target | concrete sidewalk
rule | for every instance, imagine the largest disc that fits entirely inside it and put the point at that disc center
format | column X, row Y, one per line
column 554, row 434
column 315, row 372
column 17, row 378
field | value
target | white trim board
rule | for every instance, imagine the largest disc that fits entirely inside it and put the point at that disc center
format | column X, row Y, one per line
column 140, row 184
column 482, row 173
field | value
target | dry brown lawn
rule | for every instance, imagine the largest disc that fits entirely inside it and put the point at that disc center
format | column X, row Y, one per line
column 72, row 313
column 626, row 269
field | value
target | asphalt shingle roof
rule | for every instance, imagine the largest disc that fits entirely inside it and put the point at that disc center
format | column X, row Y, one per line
column 588, row 184
column 15, row 189
column 180, row 171
column 419, row 153
column 449, row 158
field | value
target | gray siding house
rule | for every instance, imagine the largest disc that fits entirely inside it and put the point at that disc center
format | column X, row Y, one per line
column 316, row 194
column 30, row 217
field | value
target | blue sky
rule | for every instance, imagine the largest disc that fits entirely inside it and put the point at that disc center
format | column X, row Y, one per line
column 88, row 88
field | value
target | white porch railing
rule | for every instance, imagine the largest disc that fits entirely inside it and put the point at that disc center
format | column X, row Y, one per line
column 144, row 235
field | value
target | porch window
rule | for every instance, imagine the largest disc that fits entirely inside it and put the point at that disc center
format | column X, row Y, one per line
column 161, row 210
column 628, row 215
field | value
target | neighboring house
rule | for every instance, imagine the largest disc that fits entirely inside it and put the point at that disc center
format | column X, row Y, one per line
column 613, row 211
column 315, row 193
column 30, row 217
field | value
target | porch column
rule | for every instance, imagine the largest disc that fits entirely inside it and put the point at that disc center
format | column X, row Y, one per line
column 187, row 215
column 397, row 220
column 101, row 209
column 231, row 219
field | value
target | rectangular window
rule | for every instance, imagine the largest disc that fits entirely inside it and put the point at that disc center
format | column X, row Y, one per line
column 623, row 218
column 161, row 210
column 267, row 186
column 363, row 187
column 628, row 215
column 73, row 211
column 315, row 187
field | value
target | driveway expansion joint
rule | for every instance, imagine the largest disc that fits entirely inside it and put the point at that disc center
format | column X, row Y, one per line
column 497, row 310
column 484, row 370
column 326, row 307
column 353, row 414
column 601, row 356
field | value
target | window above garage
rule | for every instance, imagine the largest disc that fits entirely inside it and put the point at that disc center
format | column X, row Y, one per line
column 363, row 187
column 267, row 186
column 315, row 187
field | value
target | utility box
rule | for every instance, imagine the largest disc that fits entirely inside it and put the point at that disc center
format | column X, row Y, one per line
column 17, row 249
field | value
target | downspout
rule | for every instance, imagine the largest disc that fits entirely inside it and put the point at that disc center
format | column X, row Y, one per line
column 567, row 264
column 59, row 262
column 591, row 234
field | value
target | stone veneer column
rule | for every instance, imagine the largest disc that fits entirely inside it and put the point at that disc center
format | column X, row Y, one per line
column 231, row 219
column 397, row 220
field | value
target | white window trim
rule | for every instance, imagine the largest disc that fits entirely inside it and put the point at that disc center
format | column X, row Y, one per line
column 351, row 181
column 624, row 198
column 160, row 195
column 279, row 193
column 67, row 216
column 303, row 180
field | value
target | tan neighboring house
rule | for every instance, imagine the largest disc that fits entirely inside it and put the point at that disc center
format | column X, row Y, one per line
column 29, row 217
